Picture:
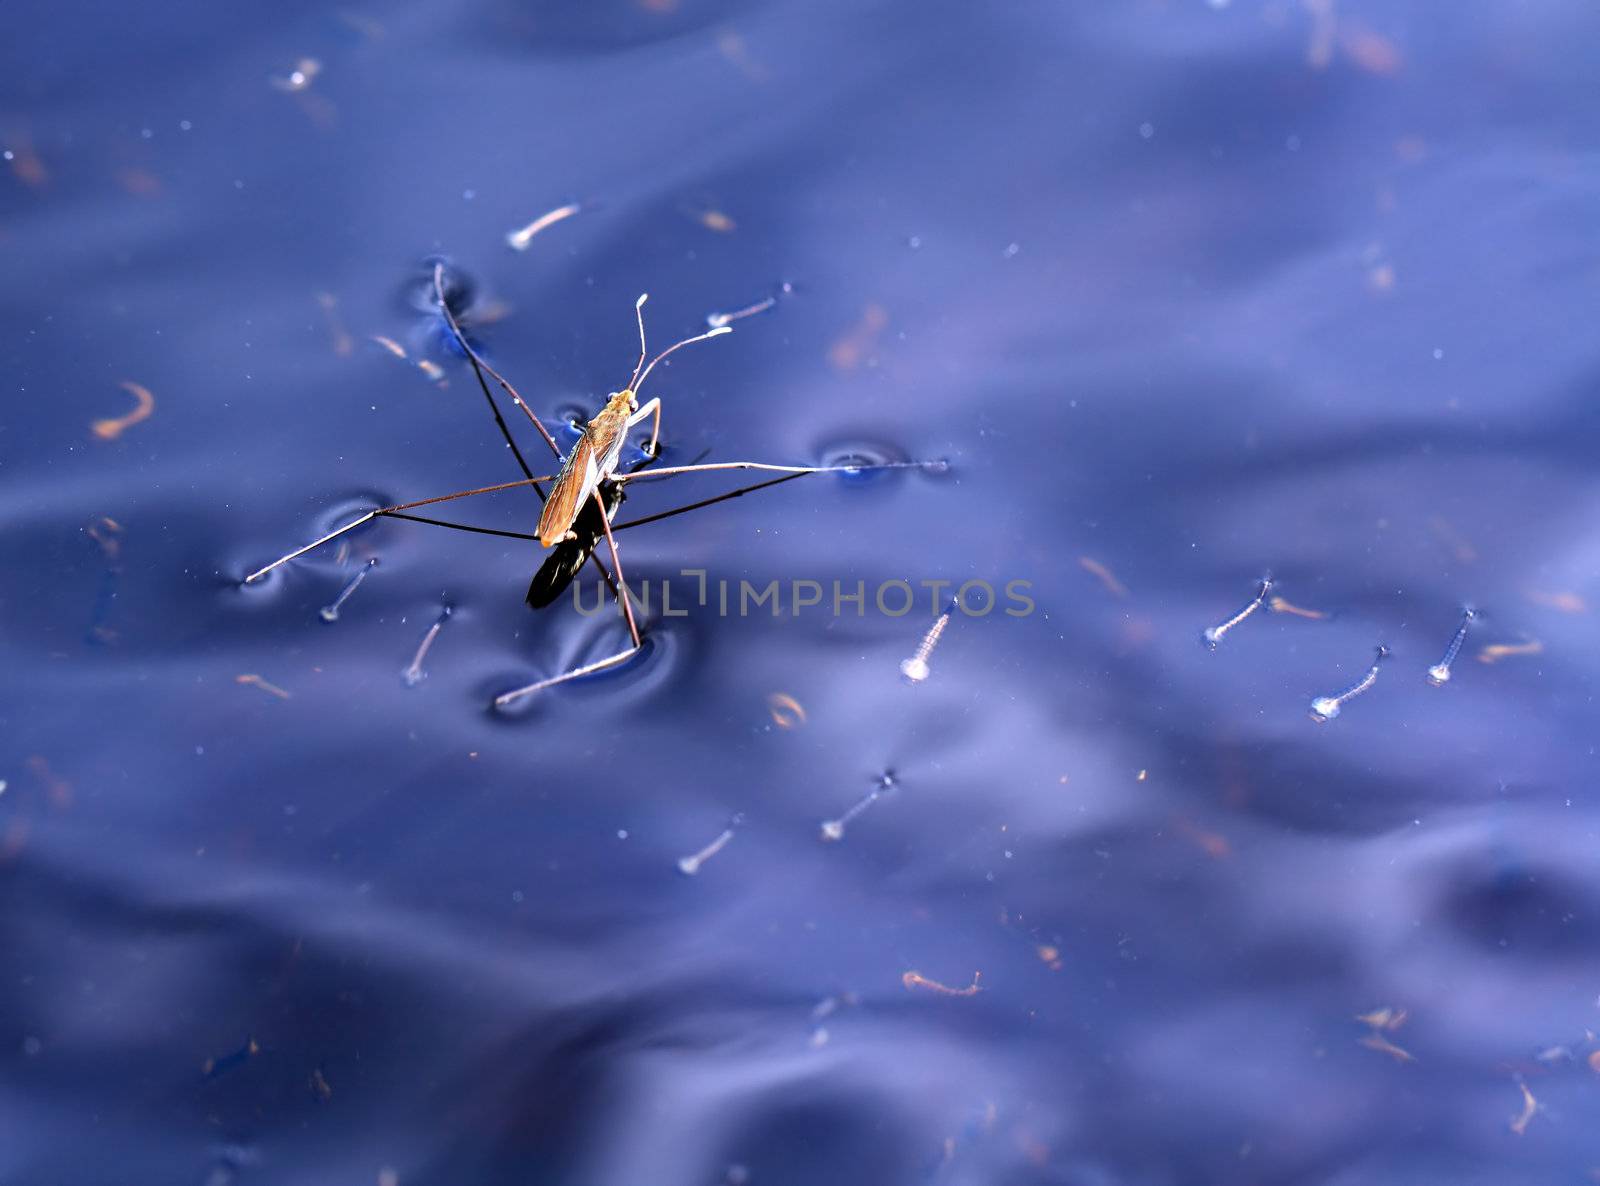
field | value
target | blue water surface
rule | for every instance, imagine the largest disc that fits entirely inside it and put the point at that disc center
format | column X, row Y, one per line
column 1185, row 294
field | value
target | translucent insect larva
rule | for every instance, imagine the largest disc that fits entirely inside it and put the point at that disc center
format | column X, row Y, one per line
column 414, row 675
column 1439, row 673
column 833, row 829
column 915, row 669
column 690, row 865
column 1325, row 708
column 330, row 613
column 1213, row 634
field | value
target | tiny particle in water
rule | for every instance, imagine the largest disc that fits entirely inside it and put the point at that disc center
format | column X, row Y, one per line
column 622, row 833
column 185, row 125
column 1437, row 353
column 914, row 242
column 31, row 1046
column 786, row 711
column 1147, row 130
column 1292, row 144
column 1011, row 250
column 918, row 980
column 516, row 895
column 1530, row 1108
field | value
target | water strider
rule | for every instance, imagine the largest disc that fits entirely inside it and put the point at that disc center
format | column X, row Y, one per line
column 587, row 489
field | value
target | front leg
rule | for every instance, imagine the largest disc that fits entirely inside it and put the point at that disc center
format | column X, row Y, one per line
column 653, row 408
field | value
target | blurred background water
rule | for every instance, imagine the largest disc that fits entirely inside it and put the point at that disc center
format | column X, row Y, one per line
column 1186, row 293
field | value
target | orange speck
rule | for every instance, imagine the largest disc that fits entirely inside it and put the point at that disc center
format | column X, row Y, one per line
column 1370, row 51
column 918, row 980
column 256, row 681
column 1279, row 606
column 787, row 712
column 110, row 430
column 846, row 353
column 1530, row 1108
column 26, row 165
column 716, row 220
column 1567, row 603
column 141, row 183
column 1113, row 586
column 1497, row 651
column 1374, row 1042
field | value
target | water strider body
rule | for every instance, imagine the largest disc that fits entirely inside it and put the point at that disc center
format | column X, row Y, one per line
column 595, row 457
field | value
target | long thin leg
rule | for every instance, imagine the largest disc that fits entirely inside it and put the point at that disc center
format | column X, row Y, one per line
column 404, row 506
column 478, row 367
column 516, row 694
column 653, row 407
column 656, row 518
column 511, row 697
column 777, row 469
column 478, row 362
column 622, row 584
column 705, row 502
column 477, row 370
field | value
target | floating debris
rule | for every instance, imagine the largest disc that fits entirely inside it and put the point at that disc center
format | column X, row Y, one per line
column 1279, row 606
column 519, row 239
column 1106, row 577
column 1530, row 1108
column 343, row 344
column 25, row 163
column 256, row 681
column 915, row 669
column 847, row 353
column 1497, row 651
column 298, row 79
column 1325, row 708
column 1439, row 673
column 1384, row 1046
column 57, row 789
column 110, row 430
column 917, row 980
column 833, row 829
column 414, row 675
column 716, row 220
column 106, row 532
column 733, row 47
column 319, row 1085
column 330, row 612
column 1386, row 1018
column 212, row 1067
column 1567, row 603
column 392, row 346
column 787, row 712
column 1460, row 547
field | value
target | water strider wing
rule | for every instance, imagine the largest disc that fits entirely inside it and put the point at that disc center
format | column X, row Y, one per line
column 574, row 484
